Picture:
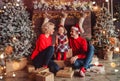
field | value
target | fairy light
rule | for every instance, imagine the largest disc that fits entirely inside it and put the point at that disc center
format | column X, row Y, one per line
column 96, row 63
column 14, row 39
column 4, row 7
column 93, row 2
column 18, row 0
column 2, row 56
column 5, row 73
column 106, row 0
column 113, row 64
column 114, row 19
column 116, row 70
column 117, row 49
column 1, row 77
column 104, row 32
column 13, row 74
column 17, row 4
column 95, row 8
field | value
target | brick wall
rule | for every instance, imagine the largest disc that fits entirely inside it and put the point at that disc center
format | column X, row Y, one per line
column 38, row 20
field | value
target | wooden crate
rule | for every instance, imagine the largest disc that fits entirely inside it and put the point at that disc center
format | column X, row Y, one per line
column 30, row 68
column 45, row 76
column 42, row 69
column 67, row 72
column 68, row 68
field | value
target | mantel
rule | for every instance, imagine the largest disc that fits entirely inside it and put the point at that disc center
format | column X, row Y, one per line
column 72, row 19
column 59, row 11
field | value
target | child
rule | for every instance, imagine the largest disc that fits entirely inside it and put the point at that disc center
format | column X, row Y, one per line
column 62, row 40
column 61, row 43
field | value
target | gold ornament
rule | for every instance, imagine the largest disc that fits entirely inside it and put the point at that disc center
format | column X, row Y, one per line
column 8, row 50
column 112, row 40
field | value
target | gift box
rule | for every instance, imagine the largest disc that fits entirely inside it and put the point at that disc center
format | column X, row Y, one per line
column 30, row 68
column 67, row 72
column 45, row 76
column 68, row 68
column 42, row 69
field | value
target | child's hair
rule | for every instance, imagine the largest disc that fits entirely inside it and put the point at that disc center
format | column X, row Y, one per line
column 65, row 31
column 47, row 27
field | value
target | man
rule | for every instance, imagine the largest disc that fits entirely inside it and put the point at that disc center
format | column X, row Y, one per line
column 82, row 52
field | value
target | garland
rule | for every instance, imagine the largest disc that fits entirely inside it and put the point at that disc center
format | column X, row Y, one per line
column 69, row 6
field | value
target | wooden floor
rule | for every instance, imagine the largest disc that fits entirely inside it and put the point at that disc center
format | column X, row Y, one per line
column 112, row 73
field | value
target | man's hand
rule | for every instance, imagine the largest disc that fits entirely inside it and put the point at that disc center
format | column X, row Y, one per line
column 73, row 59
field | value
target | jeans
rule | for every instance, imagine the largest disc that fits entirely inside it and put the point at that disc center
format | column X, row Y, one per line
column 85, row 62
column 44, row 57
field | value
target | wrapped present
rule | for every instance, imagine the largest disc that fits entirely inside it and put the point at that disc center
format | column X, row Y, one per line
column 42, row 69
column 45, row 76
column 98, row 69
column 60, row 63
column 30, row 68
column 69, row 53
column 67, row 73
column 68, row 68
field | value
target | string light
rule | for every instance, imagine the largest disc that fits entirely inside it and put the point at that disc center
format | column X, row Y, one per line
column 113, row 64
column 95, row 8
column 2, row 56
column 116, row 49
column 13, row 74
column 17, row 4
column 114, row 19
column 18, row 0
column 106, row 0
column 93, row 2
column 14, row 39
column 1, row 77
column 96, row 63
column 4, row 7
column 116, row 70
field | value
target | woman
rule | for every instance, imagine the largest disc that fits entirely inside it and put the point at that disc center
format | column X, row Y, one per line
column 44, row 49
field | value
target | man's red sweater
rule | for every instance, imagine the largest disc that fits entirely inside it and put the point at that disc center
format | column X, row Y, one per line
column 79, row 47
column 42, row 43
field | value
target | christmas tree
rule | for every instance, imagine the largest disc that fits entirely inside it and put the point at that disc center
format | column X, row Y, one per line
column 104, row 32
column 117, row 12
column 16, row 33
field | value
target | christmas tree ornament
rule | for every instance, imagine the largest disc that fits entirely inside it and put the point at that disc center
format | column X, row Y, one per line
column 8, row 50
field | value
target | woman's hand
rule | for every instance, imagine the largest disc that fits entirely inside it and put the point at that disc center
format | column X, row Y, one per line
column 73, row 59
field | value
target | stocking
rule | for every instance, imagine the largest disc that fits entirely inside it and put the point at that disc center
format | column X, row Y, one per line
column 62, row 22
column 45, row 21
column 81, row 20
